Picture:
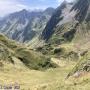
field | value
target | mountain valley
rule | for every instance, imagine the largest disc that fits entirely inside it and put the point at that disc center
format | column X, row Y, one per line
column 47, row 50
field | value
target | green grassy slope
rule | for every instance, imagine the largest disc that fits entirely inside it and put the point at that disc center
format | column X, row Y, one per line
column 29, row 58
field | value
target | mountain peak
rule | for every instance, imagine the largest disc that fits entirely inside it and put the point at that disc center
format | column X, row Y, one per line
column 24, row 10
column 49, row 10
column 63, row 4
column 64, row 1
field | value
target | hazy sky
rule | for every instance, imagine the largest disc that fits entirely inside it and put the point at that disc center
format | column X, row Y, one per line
column 9, row 6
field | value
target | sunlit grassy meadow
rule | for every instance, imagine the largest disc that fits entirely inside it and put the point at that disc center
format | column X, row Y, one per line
column 51, row 79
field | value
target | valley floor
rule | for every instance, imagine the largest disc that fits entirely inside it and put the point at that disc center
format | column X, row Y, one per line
column 51, row 79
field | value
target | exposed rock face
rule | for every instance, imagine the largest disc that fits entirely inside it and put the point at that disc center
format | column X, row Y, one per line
column 68, row 22
column 82, row 8
column 24, row 25
column 55, row 19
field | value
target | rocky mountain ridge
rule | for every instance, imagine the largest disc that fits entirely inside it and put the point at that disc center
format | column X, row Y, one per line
column 67, row 17
column 24, row 25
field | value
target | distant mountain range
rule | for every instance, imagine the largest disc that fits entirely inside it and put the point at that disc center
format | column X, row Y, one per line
column 68, row 22
column 24, row 25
